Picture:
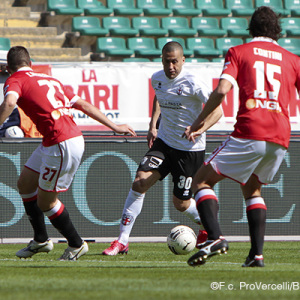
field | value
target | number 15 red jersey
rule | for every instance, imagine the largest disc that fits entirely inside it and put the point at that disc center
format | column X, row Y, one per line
column 46, row 102
column 267, row 76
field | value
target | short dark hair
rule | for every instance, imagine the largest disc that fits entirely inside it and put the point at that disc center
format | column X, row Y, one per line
column 172, row 46
column 18, row 57
column 265, row 22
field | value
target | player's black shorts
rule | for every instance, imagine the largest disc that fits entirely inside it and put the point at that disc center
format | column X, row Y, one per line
column 181, row 164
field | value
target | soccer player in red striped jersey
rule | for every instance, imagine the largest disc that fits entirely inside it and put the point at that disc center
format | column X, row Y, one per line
column 267, row 76
column 51, row 167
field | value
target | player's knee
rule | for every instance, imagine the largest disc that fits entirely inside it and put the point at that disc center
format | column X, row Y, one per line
column 21, row 185
column 180, row 205
column 26, row 184
column 140, row 185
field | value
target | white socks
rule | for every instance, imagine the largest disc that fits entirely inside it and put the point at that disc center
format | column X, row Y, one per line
column 192, row 212
column 132, row 208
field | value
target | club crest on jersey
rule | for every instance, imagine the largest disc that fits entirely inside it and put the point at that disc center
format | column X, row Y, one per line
column 127, row 219
column 180, row 90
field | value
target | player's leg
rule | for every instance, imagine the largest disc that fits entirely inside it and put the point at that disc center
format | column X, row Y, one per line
column 132, row 208
column 189, row 209
column 59, row 217
column 208, row 207
column 153, row 166
column 256, row 214
column 28, row 185
column 59, row 165
column 255, row 205
column 184, row 165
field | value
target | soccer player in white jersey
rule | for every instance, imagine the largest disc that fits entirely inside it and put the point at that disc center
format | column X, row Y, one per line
column 267, row 76
column 179, row 97
column 51, row 167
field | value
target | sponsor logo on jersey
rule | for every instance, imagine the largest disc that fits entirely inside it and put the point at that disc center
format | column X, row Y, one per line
column 270, row 105
column 56, row 114
column 169, row 104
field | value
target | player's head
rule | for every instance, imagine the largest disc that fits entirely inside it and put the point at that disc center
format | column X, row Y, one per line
column 265, row 22
column 17, row 57
column 172, row 59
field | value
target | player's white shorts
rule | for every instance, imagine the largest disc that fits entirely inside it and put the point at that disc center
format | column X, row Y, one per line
column 239, row 158
column 57, row 164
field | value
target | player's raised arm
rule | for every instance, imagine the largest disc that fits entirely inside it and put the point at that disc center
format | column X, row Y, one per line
column 97, row 115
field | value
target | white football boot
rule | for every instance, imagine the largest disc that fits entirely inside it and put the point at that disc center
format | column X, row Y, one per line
column 34, row 247
column 74, row 253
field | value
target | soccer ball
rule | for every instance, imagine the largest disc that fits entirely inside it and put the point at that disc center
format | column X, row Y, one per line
column 14, row 132
column 182, row 240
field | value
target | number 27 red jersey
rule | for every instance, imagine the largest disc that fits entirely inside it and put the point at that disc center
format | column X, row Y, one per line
column 46, row 102
column 267, row 76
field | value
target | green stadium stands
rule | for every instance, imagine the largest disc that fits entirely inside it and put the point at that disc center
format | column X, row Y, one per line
column 235, row 26
column 293, row 6
column 183, row 8
column 113, row 46
column 64, row 7
column 207, row 26
column 136, row 59
column 178, row 26
column 240, row 8
column 212, row 8
column 276, row 5
column 196, row 60
column 94, row 7
column 148, row 26
column 119, row 26
column 154, row 7
column 223, row 44
column 218, row 59
column 124, row 7
column 202, row 46
column 163, row 40
column 143, row 46
column 88, row 26
column 290, row 44
column 291, row 26
column 4, row 43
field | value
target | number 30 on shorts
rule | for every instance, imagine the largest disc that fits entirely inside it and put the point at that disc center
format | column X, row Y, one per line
column 185, row 183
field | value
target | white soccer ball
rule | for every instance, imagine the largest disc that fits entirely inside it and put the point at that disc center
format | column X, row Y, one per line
column 14, row 132
column 182, row 240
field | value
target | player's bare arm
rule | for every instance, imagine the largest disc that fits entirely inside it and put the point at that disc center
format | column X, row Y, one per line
column 211, row 119
column 7, row 107
column 152, row 132
column 97, row 115
column 211, row 113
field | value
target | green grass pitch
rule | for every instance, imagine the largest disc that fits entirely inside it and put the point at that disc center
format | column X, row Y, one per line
column 150, row 271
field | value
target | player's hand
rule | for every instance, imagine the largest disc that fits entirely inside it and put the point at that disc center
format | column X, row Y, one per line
column 125, row 129
column 151, row 137
column 190, row 135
